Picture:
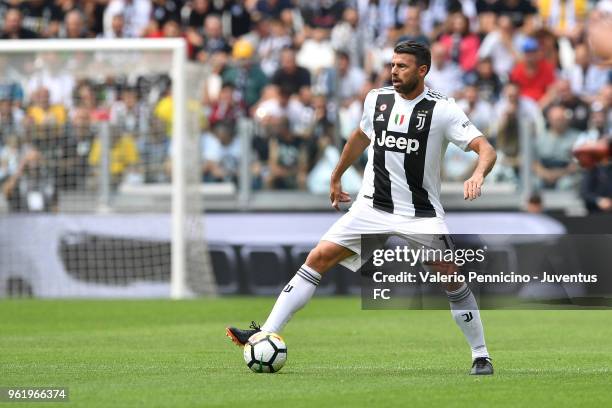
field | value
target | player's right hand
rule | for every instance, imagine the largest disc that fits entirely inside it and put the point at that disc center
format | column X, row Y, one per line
column 337, row 196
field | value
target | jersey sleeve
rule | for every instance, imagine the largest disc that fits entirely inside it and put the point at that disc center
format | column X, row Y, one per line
column 366, row 124
column 460, row 130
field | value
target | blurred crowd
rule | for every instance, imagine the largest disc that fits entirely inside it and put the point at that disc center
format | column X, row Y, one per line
column 299, row 71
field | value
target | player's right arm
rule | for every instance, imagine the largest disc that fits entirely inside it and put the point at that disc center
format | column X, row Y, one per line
column 354, row 147
column 356, row 144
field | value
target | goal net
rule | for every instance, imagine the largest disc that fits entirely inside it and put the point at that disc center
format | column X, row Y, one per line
column 101, row 192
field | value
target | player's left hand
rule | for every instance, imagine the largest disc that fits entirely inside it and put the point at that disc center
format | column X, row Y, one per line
column 472, row 187
column 337, row 196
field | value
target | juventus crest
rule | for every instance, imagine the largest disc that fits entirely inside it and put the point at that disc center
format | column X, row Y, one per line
column 421, row 115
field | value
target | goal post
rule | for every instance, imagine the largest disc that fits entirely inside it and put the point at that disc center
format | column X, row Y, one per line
column 169, row 55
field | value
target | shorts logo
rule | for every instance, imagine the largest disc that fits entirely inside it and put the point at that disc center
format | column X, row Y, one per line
column 421, row 115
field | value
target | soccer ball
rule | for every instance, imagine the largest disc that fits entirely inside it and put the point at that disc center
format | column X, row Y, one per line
column 265, row 352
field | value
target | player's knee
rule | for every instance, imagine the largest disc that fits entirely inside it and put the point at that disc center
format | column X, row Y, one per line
column 322, row 258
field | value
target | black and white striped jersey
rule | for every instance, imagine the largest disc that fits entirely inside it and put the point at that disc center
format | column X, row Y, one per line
column 408, row 141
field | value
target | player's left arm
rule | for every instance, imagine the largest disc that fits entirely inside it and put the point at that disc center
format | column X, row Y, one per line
column 486, row 161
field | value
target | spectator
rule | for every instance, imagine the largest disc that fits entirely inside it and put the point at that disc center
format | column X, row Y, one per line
column 444, row 75
column 239, row 18
column 81, row 134
column 553, row 164
column 42, row 112
column 534, row 204
column 74, row 26
column 117, row 27
column 154, row 151
column 486, row 16
column 94, row 15
column 599, row 30
column 478, row 110
column 350, row 113
column 412, row 27
column 13, row 27
column 53, row 76
column 349, row 78
column 564, row 17
column 549, row 46
column 516, row 10
column 214, row 80
column 31, row 186
column 461, row 42
column 221, row 154
column 164, row 11
column 226, row 109
column 44, row 17
column 129, row 115
column 135, row 12
column 458, row 165
column 322, row 14
column 213, row 40
column 289, row 75
column 11, row 117
column 596, row 189
column 501, row 46
column 9, row 157
column 301, row 113
column 576, row 109
column 86, row 97
column 586, row 77
column 273, row 105
column 200, row 9
column 486, row 80
column 260, row 32
column 124, row 156
column 272, row 8
column 599, row 126
column 348, row 35
column 163, row 112
column 246, row 74
column 533, row 74
column 316, row 52
column 270, row 46
column 321, row 133
column 287, row 163
column 516, row 119
column 10, row 82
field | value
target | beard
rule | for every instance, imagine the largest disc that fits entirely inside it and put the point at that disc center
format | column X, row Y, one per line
column 407, row 87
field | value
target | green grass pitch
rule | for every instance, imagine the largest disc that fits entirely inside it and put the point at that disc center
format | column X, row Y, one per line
column 175, row 354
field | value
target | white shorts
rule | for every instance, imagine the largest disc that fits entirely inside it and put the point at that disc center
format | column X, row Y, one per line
column 363, row 219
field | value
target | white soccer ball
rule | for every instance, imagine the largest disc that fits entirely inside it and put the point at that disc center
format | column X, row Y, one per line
column 265, row 352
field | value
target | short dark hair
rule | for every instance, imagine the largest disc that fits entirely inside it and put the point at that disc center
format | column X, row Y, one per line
column 420, row 52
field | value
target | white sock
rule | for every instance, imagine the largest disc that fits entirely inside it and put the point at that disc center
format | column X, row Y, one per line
column 467, row 316
column 294, row 296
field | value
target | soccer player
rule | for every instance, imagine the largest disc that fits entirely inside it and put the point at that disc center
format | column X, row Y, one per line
column 406, row 128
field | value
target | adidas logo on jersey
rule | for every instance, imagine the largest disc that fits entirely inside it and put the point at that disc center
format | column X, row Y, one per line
column 397, row 142
column 380, row 118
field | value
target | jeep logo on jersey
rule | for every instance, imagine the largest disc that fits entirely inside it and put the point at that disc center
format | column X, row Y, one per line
column 421, row 115
column 396, row 142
